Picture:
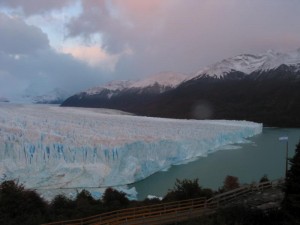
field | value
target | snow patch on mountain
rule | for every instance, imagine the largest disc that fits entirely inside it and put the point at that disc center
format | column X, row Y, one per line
column 55, row 96
column 248, row 63
column 164, row 80
column 115, row 85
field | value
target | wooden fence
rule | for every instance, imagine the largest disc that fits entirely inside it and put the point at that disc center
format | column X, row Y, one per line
column 169, row 212
column 229, row 196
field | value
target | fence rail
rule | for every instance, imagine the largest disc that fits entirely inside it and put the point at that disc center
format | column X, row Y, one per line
column 169, row 212
column 228, row 196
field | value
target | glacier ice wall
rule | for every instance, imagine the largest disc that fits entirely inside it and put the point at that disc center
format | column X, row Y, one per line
column 53, row 147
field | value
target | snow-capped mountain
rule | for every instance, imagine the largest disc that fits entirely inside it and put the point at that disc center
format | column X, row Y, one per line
column 113, row 86
column 247, row 63
column 102, row 96
column 56, row 96
column 262, row 88
column 124, row 94
column 164, row 81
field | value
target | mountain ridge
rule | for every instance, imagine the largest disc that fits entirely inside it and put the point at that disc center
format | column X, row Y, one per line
column 164, row 79
column 105, row 95
column 243, row 87
column 249, row 63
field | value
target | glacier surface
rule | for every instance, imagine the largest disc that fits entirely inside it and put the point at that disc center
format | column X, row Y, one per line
column 49, row 147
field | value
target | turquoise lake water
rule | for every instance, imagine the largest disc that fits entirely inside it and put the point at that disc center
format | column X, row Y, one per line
column 263, row 155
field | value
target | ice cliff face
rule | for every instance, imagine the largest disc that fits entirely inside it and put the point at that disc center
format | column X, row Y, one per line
column 53, row 147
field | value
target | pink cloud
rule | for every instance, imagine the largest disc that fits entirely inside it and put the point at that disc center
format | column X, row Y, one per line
column 93, row 55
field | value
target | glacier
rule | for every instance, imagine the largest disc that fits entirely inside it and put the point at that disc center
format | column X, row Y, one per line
column 49, row 147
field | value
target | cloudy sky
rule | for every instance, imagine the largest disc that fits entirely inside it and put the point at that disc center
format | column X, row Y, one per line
column 76, row 44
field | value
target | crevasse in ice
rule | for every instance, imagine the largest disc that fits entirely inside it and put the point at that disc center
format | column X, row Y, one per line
column 53, row 147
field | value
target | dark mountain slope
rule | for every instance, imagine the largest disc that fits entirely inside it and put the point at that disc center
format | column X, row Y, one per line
column 263, row 88
column 271, row 97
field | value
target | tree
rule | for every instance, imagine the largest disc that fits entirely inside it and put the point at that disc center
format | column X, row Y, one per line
column 20, row 206
column 291, row 203
column 231, row 183
column 86, row 205
column 114, row 199
column 187, row 189
column 264, row 179
column 62, row 208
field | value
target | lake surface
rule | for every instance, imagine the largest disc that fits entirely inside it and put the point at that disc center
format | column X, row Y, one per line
column 263, row 155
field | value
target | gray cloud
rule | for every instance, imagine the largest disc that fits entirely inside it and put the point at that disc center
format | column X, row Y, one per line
column 159, row 35
column 18, row 38
column 28, row 63
column 30, row 7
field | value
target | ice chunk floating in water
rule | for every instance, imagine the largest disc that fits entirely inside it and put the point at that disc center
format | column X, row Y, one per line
column 53, row 147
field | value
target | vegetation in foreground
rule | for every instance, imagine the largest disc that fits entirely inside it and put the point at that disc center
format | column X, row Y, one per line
column 21, row 206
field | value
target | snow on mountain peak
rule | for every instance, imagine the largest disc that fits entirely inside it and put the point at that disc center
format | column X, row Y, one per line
column 245, row 63
column 112, row 86
column 30, row 96
column 166, row 79
column 56, row 95
column 248, row 63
